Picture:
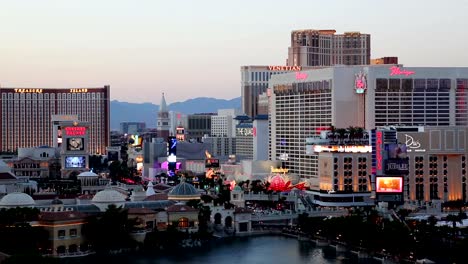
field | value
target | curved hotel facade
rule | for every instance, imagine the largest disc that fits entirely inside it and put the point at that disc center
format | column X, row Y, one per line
column 28, row 115
column 307, row 102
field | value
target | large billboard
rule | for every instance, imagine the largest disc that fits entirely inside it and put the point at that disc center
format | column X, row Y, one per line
column 397, row 151
column 75, row 144
column 389, row 184
column 75, row 162
column 211, row 163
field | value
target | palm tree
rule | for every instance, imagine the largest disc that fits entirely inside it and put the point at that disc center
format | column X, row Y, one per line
column 331, row 135
column 359, row 133
column 341, row 133
column 454, row 219
column 352, row 133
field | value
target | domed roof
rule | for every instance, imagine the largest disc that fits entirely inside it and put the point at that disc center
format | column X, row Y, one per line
column 108, row 196
column 237, row 188
column 183, row 191
column 4, row 167
column 87, row 174
column 17, row 199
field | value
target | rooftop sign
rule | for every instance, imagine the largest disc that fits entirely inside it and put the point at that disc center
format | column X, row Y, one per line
column 301, row 76
column 285, row 68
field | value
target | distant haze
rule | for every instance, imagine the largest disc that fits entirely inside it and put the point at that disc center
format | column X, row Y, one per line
column 189, row 49
column 147, row 112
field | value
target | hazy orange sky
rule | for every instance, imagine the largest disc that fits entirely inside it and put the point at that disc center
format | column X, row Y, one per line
column 195, row 48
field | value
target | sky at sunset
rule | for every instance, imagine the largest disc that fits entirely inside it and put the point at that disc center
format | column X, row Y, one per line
column 193, row 48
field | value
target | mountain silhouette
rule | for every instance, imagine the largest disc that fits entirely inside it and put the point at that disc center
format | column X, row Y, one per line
column 147, row 112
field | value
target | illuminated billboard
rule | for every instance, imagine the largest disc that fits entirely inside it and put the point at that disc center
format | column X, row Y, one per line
column 75, row 144
column 59, row 136
column 389, row 184
column 339, row 148
column 136, row 141
column 212, row 163
column 397, row 151
column 75, row 162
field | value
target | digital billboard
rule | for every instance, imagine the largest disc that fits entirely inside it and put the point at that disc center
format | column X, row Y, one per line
column 136, row 141
column 59, row 136
column 389, row 184
column 75, row 162
column 171, row 146
column 75, row 144
column 397, row 151
column 212, row 163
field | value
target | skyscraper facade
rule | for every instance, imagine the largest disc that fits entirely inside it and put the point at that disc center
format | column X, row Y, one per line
column 254, row 82
column 26, row 115
column 312, row 47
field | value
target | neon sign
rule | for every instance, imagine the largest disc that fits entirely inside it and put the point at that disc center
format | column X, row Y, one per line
column 75, row 131
column 345, row 149
column 378, row 150
column 84, row 90
column 360, row 83
column 285, row 68
column 28, row 90
column 278, row 170
column 301, row 76
column 394, row 70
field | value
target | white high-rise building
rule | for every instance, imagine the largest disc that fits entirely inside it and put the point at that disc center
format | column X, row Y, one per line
column 307, row 102
column 223, row 124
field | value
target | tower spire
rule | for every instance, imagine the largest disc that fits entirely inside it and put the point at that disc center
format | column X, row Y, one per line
column 163, row 105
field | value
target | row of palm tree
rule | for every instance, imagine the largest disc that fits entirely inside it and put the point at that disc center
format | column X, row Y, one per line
column 347, row 135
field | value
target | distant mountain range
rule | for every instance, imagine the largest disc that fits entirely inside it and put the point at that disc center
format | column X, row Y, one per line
column 147, row 112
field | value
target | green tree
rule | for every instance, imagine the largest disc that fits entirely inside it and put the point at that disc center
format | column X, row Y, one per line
column 17, row 235
column 110, row 231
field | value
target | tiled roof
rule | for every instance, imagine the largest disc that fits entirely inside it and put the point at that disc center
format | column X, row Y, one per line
column 181, row 208
column 156, row 197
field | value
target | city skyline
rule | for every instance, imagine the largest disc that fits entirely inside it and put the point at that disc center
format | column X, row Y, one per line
column 194, row 49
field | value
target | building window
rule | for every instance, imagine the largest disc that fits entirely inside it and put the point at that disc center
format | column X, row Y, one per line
column 183, row 222
column 61, row 233
column 73, row 232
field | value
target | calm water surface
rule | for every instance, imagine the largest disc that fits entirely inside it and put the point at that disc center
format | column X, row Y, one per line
column 253, row 250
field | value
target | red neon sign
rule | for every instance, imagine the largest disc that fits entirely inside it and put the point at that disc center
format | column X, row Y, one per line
column 378, row 150
column 301, row 76
column 75, row 131
column 394, row 70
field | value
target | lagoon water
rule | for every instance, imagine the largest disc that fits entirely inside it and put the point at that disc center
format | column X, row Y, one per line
column 249, row 250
